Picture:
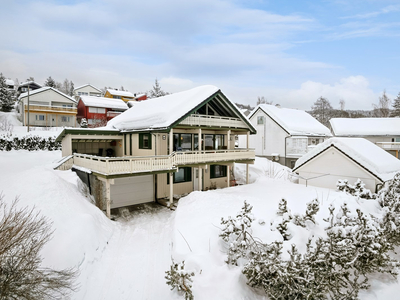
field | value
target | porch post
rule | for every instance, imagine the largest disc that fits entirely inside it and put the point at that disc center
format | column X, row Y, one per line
column 108, row 199
column 247, row 173
column 171, row 190
column 228, row 136
column 248, row 139
column 200, row 178
column 171, row 141
column 199, row 140
column 228, row 175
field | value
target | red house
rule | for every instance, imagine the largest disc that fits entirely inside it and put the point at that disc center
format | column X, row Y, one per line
column 99, row 110
column 140, row 97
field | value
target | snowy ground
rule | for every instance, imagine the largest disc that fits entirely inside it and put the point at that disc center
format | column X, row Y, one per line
column 127, row 258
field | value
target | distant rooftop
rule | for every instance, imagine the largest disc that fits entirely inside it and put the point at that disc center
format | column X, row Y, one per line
column 365, row 126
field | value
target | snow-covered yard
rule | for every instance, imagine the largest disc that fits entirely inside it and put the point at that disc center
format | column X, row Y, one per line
column 127, row 258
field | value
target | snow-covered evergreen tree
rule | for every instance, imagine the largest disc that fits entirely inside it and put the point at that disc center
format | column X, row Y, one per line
column 177, row 277
column 50, row 82
column 396, row 107
column 358, row 189
column 237, row 233
column 6, row 102
column 156, row 91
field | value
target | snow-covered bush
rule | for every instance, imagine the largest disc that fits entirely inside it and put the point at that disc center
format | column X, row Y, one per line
column 177, row 277
column 311, row 210
column 358, row 189
column 30, row 143
column 237, row 233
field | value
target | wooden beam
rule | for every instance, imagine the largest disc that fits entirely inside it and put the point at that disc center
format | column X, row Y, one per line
column 171, row 189
column 108, row 199
column 171, row 141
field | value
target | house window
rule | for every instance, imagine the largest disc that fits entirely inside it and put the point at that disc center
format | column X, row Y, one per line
column 217, row 171
column 397, row 140
column 39, row 117
column 213, row 141
column 67, row 105
column 82, row 93
column 144, row 140
column 182, row 142
column 260, row 120
column 117, row 97
column 182, row 175
column 97, row 110
column 64, row 119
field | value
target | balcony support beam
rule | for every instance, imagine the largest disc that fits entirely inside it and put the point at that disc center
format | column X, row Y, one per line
column 171, row 141
column 247, row 173
column 171, row 190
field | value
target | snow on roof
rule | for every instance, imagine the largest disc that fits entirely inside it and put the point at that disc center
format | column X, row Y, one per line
column 29, row 83
column 379, row 162
column 294, row 121
column 163, row 111
column 45, row 88
column 365, row 126
column 88, row 84
column 94, row 101
column 139, row 95
column 10, row 82
column 120, row 93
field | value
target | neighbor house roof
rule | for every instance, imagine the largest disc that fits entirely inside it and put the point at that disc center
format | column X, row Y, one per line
column 365, row 126
column 43, row 89
column 120, row 93
column 94, row 101
column 164, row 112
column 293, row 121
column 22, row 84
column 10, row 82
column 365, row 153
column 85, row 85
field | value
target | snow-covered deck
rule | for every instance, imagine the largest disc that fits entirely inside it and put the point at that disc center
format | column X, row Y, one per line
column 135, row 164
column 213, row 121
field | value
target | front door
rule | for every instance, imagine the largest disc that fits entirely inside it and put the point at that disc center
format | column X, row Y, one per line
column 195, row 179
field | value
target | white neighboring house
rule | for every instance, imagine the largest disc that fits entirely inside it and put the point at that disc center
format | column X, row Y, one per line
column 347, row 158
column 48, row 107
column 384, row 132
column 87, row 90
column 284, row 134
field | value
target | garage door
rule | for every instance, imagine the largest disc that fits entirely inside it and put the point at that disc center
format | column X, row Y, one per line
column 132, row 190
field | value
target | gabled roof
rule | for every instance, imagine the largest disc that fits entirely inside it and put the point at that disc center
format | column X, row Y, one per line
column 371, row 157
column 85, row 85
column 93, row 101
column 365, row 126
column 120, row 93
column 22, row 84
column 43, row 89
column 167, row 111
column 293, row 121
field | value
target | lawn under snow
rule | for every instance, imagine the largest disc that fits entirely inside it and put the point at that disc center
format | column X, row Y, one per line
column 127, row 258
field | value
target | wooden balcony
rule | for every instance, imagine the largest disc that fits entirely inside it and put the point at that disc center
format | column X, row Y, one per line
column 149, row 164
column 51, row 109
column 213, row 121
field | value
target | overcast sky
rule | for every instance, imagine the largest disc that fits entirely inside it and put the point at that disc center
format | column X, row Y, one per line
column 290, row 52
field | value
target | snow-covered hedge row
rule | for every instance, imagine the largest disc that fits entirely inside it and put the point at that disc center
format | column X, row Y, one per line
column 30, row 143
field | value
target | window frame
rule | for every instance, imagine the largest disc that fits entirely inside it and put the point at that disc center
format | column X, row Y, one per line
column 142, row 140
column 187, row 175
column 221, row 173
column 260, row 120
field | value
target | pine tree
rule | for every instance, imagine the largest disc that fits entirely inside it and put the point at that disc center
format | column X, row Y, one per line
column 322, row 110
column 6, row 102
column 156, row 91
column 50, row 82
column 396, row 107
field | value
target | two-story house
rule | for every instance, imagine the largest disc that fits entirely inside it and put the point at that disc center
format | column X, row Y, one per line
column 99, row 110
column 285, row 134
column 47, row 107
column 123, row 95
column 87, row 90
column 384, row 132
column 159, row 148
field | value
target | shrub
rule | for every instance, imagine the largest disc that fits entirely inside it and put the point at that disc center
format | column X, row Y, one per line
column 177, row 277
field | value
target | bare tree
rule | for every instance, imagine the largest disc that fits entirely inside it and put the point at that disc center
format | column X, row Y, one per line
column 263, row 100
column 382, row 109
column 322, row 110
column 342, row 104
column 23, row 233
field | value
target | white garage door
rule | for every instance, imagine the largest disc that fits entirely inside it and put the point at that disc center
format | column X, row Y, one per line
column 132, row 190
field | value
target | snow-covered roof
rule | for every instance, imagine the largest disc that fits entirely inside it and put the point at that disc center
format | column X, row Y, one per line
column 161, row 112
column 294, row 121
column 10, row 82
column 29, row 83
column 43, row 89
column 139, row 95
column 365, row 126
column 85, row 85
column 94, row 101
column 120, row 93
column 370, row 156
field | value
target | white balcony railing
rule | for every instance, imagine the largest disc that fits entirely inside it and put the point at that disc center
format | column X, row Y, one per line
column 213, row 121
column 389, row 145
column 48, row 108
column 127, row 165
